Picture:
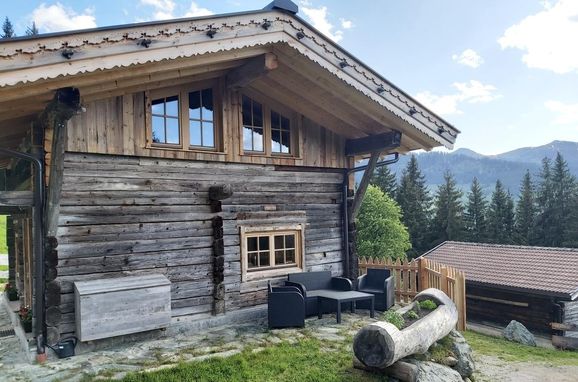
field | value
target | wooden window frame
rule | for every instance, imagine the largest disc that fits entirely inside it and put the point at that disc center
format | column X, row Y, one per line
column 270, row 105
column 182, row 91
column 273, row 270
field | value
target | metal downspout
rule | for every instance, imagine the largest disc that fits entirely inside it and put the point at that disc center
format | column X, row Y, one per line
column 346, row 206
column 38, row 243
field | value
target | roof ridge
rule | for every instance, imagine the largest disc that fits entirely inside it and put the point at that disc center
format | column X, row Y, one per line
column 496, row 245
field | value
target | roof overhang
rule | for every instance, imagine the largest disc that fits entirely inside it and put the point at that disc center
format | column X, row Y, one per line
column 32, row 69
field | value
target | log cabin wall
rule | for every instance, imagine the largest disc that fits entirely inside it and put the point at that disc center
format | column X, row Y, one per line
column 117, row 126
column 124, row 215
column 571, row 316
column 499, row 306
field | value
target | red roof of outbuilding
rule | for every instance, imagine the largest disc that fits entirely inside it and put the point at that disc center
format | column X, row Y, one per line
column 551, row 271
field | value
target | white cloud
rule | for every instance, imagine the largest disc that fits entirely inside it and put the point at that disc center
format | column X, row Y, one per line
column 547, row 37
column 468, row 57
column 196, row 11
column 318, row 17
column 166, row 9
column 346, row 24
column 468, row 92
column 56, row 18
column 565, row 113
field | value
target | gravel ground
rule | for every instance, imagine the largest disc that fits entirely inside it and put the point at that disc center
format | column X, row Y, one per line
column 493, row 369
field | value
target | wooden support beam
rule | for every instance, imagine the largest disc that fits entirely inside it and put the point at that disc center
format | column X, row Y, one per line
column 16, row 198
column 252, row 70
column 358, row 198
column 372, row 143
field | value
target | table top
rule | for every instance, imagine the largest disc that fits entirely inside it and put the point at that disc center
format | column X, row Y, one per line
column 339, row 295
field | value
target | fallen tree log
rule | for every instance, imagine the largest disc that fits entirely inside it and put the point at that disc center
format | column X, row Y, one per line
column 381, row 344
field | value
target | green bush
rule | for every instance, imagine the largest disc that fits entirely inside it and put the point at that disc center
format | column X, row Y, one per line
column 411, row 315
column 428, row 304
column 394, row 318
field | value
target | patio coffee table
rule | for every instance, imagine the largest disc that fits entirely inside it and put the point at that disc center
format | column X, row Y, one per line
column 340, row 297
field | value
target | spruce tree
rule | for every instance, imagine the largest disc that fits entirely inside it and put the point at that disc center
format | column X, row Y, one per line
column 32, row 30
column 501, row 216
column 414, row 200
column 448, row 221
column 563, row 192
column 385, row 180
column 526, row 212
column 475, row 214
column 8, row 29
column 544, row 229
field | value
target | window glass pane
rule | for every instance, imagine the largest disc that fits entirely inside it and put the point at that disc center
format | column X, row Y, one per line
column 158, row 106
column 286, row 145
column 208, row 135
column 258, row 139
column 290, row 256
column 195, row 105
column 276, row 141
column 275, row 120
column 196, row 133
column 289, row 241
column 207, row 98
column 285, row 125
column 279, row 244
column 251, row 244
column 263, row 243
column 172, row 106
column 279, row 257
column 263, row 259
column 247, row 116
column 252, row 260
column 257, row 114
column 172, row 130
column 158, row 130
column 247, row 139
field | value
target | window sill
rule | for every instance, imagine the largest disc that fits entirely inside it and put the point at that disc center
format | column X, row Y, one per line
column 195, row 150
column 270, row 273
column 274, row 156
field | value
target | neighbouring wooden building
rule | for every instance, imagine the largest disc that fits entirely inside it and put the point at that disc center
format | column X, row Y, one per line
column 533, row 285
column 215, row 151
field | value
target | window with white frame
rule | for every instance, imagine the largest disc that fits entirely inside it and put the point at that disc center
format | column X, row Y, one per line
column 271, row 250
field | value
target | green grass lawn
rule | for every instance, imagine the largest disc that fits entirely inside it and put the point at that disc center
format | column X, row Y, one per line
column 3, row 247
column 312, row 360
column 514, row 352
column 306, row 360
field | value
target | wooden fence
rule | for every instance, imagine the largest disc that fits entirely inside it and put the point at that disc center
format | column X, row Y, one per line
column 411, row 277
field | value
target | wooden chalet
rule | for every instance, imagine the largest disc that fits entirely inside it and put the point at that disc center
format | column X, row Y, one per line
column 214, row 151
column 536, row 286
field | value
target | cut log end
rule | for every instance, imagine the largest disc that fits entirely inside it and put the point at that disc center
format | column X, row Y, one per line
column 374, row 346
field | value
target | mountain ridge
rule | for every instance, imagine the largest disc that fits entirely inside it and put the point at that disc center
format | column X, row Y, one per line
column 509, row 167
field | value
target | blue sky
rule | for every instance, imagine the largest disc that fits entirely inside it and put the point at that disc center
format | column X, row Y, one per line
column 503, row 72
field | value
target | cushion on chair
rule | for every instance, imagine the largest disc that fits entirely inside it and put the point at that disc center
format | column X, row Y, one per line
column 376, row 278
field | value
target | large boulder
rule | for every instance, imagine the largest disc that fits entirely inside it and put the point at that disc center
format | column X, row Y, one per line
column 463, row 353
column 434, row 372
column 517, row 332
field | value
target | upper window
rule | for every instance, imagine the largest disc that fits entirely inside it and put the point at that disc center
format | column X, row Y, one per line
column 201, row 121
column 253, row 128
column 184, row 119
column 265, row 130
column 165, row 120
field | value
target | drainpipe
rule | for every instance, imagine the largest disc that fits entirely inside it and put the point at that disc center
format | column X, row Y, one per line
column 345, row 204
column 37, row 244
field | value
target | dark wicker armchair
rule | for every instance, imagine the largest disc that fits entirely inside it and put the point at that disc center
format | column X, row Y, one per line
column 378, row 282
